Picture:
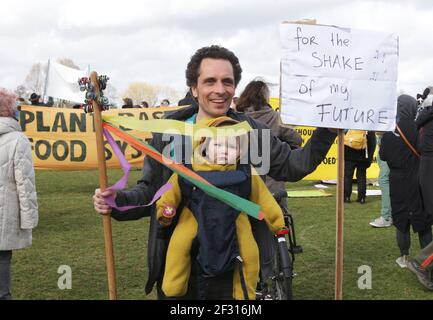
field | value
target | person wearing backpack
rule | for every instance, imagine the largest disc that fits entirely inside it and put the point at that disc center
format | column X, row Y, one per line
column 359, row 146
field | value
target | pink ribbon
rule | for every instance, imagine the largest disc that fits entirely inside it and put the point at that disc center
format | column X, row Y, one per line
column 126, row 167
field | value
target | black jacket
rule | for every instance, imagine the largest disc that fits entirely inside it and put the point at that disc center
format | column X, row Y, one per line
column 286, row 164
column 406, row 201
column 424, row 121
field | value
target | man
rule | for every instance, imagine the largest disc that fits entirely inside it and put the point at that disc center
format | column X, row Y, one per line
column 34, row 99
column 187, row 100
column 165, row 103
column 212, row 74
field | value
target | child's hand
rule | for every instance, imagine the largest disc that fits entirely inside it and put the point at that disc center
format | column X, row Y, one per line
column 166, row 215
column 168, row 211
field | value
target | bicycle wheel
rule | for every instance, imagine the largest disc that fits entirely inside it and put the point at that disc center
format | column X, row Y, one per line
column 283, row 271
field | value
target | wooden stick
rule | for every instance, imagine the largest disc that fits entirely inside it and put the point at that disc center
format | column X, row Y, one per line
column 339, row 219
column 103, row 184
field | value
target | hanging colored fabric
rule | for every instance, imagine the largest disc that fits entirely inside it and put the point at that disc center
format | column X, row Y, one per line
column 232, row 200
column 126, row 167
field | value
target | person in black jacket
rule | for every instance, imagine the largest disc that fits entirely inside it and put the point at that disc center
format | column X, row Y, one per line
column 361, row 161
column 213, row 74
column 424, row 121
column 406, row 202
column 187, row 100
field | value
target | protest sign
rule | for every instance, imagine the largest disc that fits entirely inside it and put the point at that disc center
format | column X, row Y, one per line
column 338, row 77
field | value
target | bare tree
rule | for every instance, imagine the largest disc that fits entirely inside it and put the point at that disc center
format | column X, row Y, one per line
column 21, row 91
column 68, row 63
column 112, row 95
column 35, row 79
column 167, row 92
column 141, row 91
column 153, row 94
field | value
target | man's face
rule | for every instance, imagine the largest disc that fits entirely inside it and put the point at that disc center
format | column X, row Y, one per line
column 215, row 88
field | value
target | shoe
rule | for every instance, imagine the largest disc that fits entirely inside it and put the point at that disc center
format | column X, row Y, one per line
column 421, row 273
column 361, row 200
column 381, row 223
column 347, row 199
column 402, row 261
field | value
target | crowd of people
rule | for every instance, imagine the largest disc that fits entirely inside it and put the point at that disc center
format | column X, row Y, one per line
column 194, row 251
column 405, row 161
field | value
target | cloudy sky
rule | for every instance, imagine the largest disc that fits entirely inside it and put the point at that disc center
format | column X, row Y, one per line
column 152, row 41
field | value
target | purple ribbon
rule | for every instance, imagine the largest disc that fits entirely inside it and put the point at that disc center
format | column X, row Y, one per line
column 126, row 167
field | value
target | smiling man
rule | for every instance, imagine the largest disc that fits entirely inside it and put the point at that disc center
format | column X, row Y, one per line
column 213, row 74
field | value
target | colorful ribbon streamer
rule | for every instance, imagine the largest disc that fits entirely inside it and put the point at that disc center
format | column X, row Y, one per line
column 126, row 167
column 232, row 200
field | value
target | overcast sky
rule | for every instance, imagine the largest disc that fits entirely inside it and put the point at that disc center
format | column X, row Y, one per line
column 152, row 41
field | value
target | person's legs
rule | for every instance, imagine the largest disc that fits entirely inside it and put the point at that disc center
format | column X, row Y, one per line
column 403, row 242
column 425, row 256
column 349, row 168
column 383, row 180
column 422, row 265
column 425, row 237
column 361, row 178
column 5, row 275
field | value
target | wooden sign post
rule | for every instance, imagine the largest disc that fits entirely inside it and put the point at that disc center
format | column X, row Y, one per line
column 95, row 100
column 339, row 219
column 341, row 78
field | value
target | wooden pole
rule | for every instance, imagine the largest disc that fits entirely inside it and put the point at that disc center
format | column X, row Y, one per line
column 339, row 219
column 103, row 184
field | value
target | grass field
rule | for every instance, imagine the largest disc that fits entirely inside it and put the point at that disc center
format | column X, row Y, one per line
column 70, row 233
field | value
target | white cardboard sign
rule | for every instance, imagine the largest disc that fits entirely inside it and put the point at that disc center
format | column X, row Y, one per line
column 338, row 77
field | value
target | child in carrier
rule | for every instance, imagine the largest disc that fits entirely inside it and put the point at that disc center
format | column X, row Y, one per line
column 224, row 236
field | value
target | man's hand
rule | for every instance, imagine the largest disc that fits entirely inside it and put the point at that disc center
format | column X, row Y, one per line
column 99, row 202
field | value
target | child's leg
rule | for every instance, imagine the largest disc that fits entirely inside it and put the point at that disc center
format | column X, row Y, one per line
column 250, row 256
column 178, row 260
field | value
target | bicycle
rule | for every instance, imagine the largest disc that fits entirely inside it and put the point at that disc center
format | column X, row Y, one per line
column 278, row 286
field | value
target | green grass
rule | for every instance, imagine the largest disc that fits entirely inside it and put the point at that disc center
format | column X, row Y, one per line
column 70, row 233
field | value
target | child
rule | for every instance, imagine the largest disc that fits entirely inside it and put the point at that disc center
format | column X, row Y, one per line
column 223, row 234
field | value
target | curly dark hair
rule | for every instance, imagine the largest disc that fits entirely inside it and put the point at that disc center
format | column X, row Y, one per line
column 255, row 95
column 213, row 52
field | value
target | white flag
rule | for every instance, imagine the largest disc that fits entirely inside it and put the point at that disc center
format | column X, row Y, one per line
column 62, row 83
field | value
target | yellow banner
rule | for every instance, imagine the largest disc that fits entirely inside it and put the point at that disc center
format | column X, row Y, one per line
column 64, row 139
